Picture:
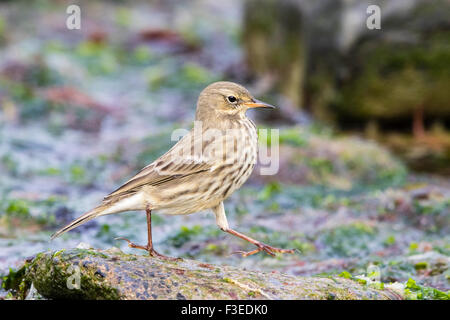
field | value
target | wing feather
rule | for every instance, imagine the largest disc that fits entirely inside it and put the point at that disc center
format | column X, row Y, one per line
column 172, row 165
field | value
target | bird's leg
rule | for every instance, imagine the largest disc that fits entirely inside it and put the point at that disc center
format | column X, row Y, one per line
column 149, row 247
column 221, row 220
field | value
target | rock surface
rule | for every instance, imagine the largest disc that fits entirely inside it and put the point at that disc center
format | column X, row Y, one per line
column 112, row 274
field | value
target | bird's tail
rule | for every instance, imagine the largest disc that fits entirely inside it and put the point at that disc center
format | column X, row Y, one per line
column 97, row 211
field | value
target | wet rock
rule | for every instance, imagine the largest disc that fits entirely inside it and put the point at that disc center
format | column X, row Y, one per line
column 74, row 274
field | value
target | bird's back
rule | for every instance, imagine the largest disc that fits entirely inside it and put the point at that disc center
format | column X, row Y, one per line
column 201, row 170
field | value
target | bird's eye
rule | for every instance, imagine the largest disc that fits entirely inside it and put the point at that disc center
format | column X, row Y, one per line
column 232, row 99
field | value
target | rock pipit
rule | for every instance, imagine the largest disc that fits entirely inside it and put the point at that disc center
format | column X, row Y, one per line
column 200, row 171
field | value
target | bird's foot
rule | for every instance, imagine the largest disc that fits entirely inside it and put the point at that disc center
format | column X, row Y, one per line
column 132, row 245
column 155, row 253
column 266, row 248
column 152, row 252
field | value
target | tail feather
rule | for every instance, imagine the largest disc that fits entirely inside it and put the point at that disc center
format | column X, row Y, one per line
column 98, row 211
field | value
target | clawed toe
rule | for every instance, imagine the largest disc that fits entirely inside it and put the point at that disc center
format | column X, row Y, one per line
column 132, row 245
column 152, row 252
column 266, row 248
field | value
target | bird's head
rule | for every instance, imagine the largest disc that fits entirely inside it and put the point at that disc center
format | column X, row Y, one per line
column 226, row 100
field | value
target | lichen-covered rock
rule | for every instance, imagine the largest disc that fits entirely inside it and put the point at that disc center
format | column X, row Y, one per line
column 324, row 57
column 112, row 274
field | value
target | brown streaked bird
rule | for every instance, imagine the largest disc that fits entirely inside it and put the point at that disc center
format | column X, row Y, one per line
column 199, row 172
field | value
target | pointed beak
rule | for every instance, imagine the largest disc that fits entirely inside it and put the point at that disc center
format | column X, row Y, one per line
column 258, row 104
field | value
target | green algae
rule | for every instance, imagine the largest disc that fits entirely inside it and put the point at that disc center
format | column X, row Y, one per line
column 150, row 278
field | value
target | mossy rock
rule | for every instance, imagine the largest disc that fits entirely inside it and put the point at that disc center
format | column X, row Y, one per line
column 112, row 274
column 393, row 80
column 384, row 77
column 388, row 76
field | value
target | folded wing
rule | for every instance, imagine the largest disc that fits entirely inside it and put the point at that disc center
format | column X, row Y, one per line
column 185, row 158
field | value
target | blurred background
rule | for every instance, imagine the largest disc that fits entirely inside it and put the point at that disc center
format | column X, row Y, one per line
column 364, row 119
